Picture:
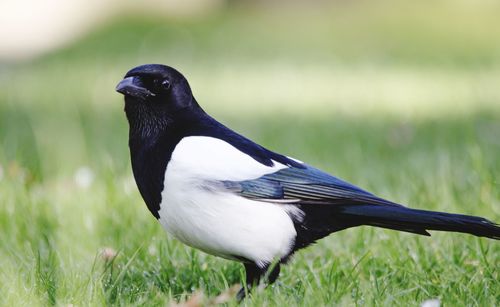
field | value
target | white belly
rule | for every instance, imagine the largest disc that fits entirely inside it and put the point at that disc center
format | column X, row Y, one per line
column 216, row 221
column 228, row 225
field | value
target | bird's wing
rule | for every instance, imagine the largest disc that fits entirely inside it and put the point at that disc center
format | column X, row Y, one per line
column 307, row 186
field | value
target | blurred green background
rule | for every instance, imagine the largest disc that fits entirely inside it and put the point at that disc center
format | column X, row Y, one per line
column 401, row 98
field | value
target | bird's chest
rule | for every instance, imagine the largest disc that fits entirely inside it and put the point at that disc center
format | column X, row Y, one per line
column 198, row 211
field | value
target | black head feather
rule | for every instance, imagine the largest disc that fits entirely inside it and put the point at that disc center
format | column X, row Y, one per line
column 154, row 95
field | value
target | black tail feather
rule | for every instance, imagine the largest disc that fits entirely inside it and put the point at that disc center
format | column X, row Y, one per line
column 419, row 221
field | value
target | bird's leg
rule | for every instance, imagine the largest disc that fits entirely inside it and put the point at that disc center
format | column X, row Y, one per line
column 254, row 274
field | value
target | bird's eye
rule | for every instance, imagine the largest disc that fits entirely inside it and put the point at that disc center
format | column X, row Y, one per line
column 165, row 85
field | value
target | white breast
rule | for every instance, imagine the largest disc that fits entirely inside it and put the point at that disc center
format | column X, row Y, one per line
column 204, row 216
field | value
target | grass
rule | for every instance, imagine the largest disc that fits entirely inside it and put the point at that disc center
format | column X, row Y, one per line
column 387, row 113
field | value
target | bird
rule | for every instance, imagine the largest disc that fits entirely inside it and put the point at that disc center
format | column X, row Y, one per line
column 217, row 191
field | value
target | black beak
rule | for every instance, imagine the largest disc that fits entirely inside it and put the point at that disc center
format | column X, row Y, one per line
column 131, row 86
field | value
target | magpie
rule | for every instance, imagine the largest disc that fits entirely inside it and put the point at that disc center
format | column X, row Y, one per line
column 217, row 191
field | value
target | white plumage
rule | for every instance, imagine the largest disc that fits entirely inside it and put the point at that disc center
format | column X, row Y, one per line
column 199, row 213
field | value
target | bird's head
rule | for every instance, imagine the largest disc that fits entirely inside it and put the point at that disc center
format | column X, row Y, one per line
column 154, row 95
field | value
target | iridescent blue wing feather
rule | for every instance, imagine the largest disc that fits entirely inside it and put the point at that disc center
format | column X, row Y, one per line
column 306, row 185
